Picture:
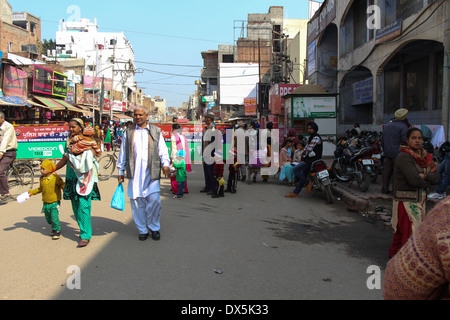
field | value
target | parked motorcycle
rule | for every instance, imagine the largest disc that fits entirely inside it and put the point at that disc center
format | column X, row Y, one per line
column 357, row 165
column 320, row 177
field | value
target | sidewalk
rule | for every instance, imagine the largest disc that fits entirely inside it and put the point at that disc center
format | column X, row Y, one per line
column 372, row 203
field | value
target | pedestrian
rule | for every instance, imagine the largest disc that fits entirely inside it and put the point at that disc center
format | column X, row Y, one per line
column 421, row 269
column 232, row 172
column 108, row 139
column 51, row 186
column 243, row 153
column 142, row 156
column 394, row 135
column 311, row 153
column 80, row 188
column 218, row 170
column 444, row 175
column 179, row 142
column 208, row 137
column 180, row 165
column 357, row 128
column 414, row 171
column 8, row 153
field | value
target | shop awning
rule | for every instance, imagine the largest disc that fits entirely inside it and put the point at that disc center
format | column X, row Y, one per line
column 14, row 101
column 68, row 105
column 122, row 117
column 50, row 103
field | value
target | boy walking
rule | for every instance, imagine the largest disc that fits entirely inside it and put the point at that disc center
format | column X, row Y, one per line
column 180, row 165
column 51, row 186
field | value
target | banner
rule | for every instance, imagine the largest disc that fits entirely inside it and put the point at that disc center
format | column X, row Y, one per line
column 15, row 82
column 41, row 142
column 314, row 107
column 251, row 106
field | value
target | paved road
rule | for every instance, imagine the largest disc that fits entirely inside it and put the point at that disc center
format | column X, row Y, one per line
column 268, row 247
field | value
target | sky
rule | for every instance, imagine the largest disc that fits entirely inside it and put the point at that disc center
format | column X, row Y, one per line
column 167, row 36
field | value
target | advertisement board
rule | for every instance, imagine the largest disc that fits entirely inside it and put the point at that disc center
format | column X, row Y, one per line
column 313, row 107
column 41, row 142
column 49, row 82
column 15, row 82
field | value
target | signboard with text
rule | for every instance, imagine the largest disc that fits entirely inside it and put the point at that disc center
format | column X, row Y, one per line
column 49, row 82
column 41, row 142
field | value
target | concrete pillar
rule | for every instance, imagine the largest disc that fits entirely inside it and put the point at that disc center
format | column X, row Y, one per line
column 446, row 73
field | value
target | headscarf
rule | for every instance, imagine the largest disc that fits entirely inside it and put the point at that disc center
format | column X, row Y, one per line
column 48, row 165
column 423, row 159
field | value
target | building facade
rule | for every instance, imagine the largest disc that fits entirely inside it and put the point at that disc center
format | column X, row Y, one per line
column 381, row 56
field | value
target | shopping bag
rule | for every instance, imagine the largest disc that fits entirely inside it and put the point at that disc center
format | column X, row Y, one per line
column 118, row 200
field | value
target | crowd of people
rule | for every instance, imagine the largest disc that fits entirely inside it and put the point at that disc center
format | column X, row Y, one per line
column 144, row 156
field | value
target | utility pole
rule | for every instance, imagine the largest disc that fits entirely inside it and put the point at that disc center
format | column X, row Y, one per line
column 102, row 93
column 260, row 80
column 112, row 85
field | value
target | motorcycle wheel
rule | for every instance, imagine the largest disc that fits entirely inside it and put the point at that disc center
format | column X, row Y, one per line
column 328, row 194
column 364, row 184
column 339, row 171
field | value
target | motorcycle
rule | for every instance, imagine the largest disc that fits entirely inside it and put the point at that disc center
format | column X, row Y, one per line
column 320, row 177
column 352, row 166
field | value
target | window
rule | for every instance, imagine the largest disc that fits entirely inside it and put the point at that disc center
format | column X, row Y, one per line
column 10, row 46
column 228, row 58
column 416, row 85
column 438, row 81
column 391, row 90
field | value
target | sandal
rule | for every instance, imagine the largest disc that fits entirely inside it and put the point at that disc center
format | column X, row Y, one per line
column 83, row 243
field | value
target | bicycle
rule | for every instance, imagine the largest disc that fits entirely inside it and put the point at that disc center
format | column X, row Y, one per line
column 107, row 165
column 20, row 176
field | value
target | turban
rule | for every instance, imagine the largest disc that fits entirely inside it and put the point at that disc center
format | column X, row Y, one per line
column 314, row 126
column 401, row 114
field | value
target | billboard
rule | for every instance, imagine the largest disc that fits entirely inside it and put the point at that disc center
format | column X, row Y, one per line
column 237, row 82
column 15, row 82
column 41, row 142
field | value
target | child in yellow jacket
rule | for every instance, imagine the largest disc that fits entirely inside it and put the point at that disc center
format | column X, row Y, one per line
column 51, row 186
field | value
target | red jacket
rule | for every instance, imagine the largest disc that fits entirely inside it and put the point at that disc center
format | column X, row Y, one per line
column 218, row 170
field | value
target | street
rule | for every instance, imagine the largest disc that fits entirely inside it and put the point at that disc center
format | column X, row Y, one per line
column 253, row 245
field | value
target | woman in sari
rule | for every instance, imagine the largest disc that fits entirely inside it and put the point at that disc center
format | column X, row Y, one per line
column 414, row 171
column 81, row 182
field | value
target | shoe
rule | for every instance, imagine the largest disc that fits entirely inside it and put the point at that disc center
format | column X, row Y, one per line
column 210, row 193
column 83, row 243
column 309, row 187
column 437, row 196
column 233, row 192
column 227, row 191
column 143, row 237
column 204, row 191
column 177, row 197
column 5, row 197
column 214, row 196
column 291, row 195
column 56, row 235
column 156, row 235
column 244, row 178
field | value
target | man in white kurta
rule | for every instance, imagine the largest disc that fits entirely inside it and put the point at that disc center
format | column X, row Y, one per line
column 143, row 191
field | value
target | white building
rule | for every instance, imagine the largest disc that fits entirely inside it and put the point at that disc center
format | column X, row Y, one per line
column 109, row 55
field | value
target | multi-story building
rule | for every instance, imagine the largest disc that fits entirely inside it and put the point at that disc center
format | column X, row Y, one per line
column 381, row 56
column 20, row 32
column 107, row 55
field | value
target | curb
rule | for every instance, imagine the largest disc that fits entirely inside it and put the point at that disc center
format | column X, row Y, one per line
column 353, row 202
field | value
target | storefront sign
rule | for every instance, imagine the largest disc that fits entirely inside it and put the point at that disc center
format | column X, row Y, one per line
column 79, row 94
column 250, row 106
column 41, row 142
column 276, row 94
column 389, row 32
column 362, row 92
column 49, row 82
column 96, row 83
column 313, row 107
